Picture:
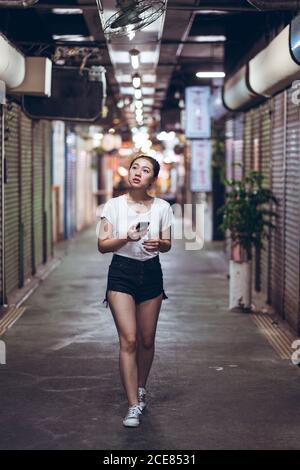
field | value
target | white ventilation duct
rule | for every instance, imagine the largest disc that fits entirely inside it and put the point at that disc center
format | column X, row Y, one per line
column 236, row 92
column 273, row 69
column 12, row 64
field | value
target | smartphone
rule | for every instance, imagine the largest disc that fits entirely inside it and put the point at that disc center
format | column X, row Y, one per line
column 142, row 226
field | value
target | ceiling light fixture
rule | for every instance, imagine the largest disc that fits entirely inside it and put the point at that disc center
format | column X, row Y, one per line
column 138, row 94
column 67, row 11
column 72, row 37
column 136, row 80
column 210, row 74
column 138, row 104
column 208, row 38
column 134, row 57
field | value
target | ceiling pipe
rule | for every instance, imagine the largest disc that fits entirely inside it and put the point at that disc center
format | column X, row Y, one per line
column 264, row 5
column 12, row 64
column 17, row 3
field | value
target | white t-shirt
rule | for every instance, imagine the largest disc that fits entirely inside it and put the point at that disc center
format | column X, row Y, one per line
column 119, row 213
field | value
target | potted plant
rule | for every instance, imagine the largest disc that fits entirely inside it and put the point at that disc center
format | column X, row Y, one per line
column 248, row 216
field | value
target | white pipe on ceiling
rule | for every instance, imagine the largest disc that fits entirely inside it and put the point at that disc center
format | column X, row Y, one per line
column 12, row 64
column 273, row 68
column 236, row 91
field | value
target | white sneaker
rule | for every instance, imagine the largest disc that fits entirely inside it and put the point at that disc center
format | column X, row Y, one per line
column 142, row 398
column 132, row 419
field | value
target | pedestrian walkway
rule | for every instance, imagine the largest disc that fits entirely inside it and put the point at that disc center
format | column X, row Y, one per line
column 216, row 383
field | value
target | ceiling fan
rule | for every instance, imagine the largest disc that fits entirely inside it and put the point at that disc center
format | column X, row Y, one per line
column 132, row 16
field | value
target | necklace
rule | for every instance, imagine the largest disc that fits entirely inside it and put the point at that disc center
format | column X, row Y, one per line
column 136, row 202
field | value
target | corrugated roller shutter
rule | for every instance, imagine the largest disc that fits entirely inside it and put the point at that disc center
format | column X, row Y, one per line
column 291, row 220
column 2, row 300
column 247, row 142
column 256, row 139
column 58, row 156
column 48, row 189
column 277, row 175
column 265, row 169
column 71, row 184
column 12, row 209
column 229, row 148
column 81, row 184
column 38, row 204
column 238, row 147
column 255, row 165
column 26, row 193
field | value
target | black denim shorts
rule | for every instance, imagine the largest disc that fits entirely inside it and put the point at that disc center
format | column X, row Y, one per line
column 141, row 279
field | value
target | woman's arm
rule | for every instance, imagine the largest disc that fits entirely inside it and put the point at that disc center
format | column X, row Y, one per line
column 165, row 240
column 106, row 242
column 163, row 244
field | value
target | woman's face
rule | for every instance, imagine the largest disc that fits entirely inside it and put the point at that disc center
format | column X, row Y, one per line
column 141, row 173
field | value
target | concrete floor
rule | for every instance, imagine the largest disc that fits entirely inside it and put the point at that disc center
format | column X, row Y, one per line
column 215, row 382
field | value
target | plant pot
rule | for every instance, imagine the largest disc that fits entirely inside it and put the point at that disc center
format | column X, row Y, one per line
column 240, row 285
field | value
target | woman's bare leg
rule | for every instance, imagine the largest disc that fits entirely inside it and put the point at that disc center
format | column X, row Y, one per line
column 123, row 310
column 146, row 316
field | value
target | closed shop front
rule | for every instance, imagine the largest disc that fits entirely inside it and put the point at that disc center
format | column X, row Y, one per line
column 238, row 143
column 278, row 181
column 84, row 183
column 26, row 197
column 70, row 185
column 81, row 183
column 291, row 214
column 2, row 300
column 58, row 172
column 265, row 169
column 247, row 143
column 47, row 191
column 12, row 198
column 229, row 148
column 38, row 192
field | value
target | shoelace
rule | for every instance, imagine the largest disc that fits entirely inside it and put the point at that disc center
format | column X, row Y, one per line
column 133, row 412
column 141, row 394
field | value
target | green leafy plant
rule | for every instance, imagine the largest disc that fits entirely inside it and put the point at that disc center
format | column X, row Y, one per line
column 247, row 213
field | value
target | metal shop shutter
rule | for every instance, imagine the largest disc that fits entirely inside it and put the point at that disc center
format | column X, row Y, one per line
column 238, row 131
column 81, row 184
column 256, row 139
column 38, row 202
column 11, row 199
column 229, row 148
column 247, row 142
column 277, row 176
column 265, row 169
column 47, row 191
column 58, row 169
column 71, row 159
column 255, row 165
column 291, row 215
column 1, row 207
column 26, row 195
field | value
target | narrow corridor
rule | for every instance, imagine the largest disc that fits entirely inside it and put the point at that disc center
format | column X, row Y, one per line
column 215, row 383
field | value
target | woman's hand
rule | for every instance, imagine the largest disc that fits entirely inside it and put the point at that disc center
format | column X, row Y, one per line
column 134, row 235
column 157, row 244
column 152, row 245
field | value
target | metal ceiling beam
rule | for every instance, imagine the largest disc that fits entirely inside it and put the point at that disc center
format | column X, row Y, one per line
column 231, row 6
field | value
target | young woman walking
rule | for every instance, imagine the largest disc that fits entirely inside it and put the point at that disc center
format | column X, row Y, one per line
column 136, row 228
